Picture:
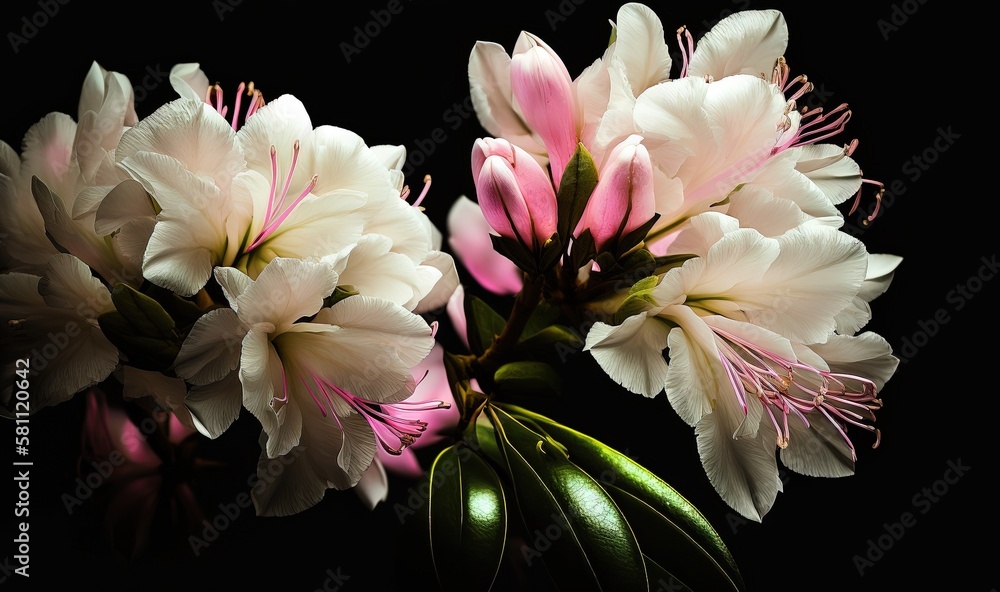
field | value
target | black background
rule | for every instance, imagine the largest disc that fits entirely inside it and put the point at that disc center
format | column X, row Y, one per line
column 905, row 84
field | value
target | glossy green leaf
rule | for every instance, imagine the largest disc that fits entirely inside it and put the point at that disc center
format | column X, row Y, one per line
column 467, row 518
column 577, row 529
column 526, row 378
column 677, row 516
column 484, row 324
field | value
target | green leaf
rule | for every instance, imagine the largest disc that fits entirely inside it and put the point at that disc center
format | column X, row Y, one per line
column 676, row 516
column 578, row 531
column 554, row 340
column 577, row 184
column 339, row 293
column 544, row 316
column 144, row 314
column 141, row 329
column 526, row 378
column 516, row 252
column 142, row 351
column 184, row 312
column 468, row 520
column 484, row 324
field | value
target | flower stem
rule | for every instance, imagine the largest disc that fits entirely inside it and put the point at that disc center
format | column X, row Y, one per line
column 524, row 305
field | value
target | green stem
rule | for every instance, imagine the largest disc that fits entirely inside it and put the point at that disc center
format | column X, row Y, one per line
column 525, row 303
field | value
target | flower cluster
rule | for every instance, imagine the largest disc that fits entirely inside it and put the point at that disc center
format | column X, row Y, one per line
column 682, row 223
column 224, row 256
column 715, row 198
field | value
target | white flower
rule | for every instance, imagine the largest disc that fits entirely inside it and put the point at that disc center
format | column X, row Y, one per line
column 73, row 163
column 52, row 321
column 316, row 378
column 736, row 321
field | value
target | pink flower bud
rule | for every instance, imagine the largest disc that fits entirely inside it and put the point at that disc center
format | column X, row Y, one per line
column 543, row 90
column 515, row 193
column 623, row 199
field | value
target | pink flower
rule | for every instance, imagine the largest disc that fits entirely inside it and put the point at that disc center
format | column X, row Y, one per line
column 469, row 237
column 543, row 89
column 515, row 192
column 432, row 386
column 623, row 200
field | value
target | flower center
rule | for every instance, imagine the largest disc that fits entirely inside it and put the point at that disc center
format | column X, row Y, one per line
column 792, row 387
column 215, row 97
column 275, row 213
column 393, row 431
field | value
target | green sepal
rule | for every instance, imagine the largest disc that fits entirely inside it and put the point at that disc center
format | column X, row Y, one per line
column 516, row 252
column 578, row 181
column 339, row 293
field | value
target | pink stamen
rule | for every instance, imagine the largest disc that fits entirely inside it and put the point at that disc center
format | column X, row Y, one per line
column 275, row 203
column 394, row 433
column 215, row 98
column 790, row 386
column 423, row 193
column 685, row 52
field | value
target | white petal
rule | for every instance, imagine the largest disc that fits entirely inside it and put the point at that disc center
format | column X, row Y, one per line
column 443, row 287
column 212, row 349
column 374, row 485
column 837, row 175
column 867, row 354
column 342, row 160
column 632, row 353
column 234, row 283
column 743, row 471
column 816, row 275
column 287, row 290
column 124, row 203
column 379, row 321
column 696, row 377
column 375, row 271
column 639, row 42
column 260, row 371
column 214, row 407
column 189, row 81
column 69, row 283
column 745, row 42
column 193, row 133
column 818, row 450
